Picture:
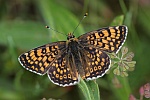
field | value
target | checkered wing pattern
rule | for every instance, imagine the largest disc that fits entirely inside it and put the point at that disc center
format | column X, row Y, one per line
column 38, row 60
column 95, row 63
column 63, row 71
column 109, row 39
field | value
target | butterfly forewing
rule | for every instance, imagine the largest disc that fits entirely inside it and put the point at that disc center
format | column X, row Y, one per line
column 38, row 60
column 109, row 39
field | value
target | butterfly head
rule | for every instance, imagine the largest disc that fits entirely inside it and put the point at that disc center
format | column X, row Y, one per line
column 70, row 36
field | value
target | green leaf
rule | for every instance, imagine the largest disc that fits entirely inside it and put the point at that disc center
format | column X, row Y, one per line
column 89, row 89
column 131, row 63
column 94, row 90
column 118, row 20
column 116, row 71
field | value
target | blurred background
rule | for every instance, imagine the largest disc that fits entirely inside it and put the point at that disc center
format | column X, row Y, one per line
column 22, row 27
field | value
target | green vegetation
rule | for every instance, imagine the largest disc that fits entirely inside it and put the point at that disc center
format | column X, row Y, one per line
column 22, row 27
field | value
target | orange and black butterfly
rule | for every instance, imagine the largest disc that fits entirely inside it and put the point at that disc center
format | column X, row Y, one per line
column 65, row 62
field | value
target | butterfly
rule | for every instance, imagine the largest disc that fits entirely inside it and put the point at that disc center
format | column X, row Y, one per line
column 65, row 62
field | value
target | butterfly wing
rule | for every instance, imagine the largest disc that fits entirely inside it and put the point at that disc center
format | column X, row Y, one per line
column 109, row 39
column 38, row 60
column 95, row 63
column 63, row 71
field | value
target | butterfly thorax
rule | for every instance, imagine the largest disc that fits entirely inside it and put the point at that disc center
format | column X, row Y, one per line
column 72, row 43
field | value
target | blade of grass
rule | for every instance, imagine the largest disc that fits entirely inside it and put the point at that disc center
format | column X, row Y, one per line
column 89, row 89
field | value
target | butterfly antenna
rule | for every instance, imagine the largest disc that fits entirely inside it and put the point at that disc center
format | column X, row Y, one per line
column 86, row 14
column 54, row 30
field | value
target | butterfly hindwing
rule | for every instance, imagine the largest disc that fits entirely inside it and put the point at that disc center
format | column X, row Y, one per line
column 63, row 71
column 98, row 63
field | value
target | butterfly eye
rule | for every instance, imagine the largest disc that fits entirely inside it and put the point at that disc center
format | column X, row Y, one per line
column 70, row 35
